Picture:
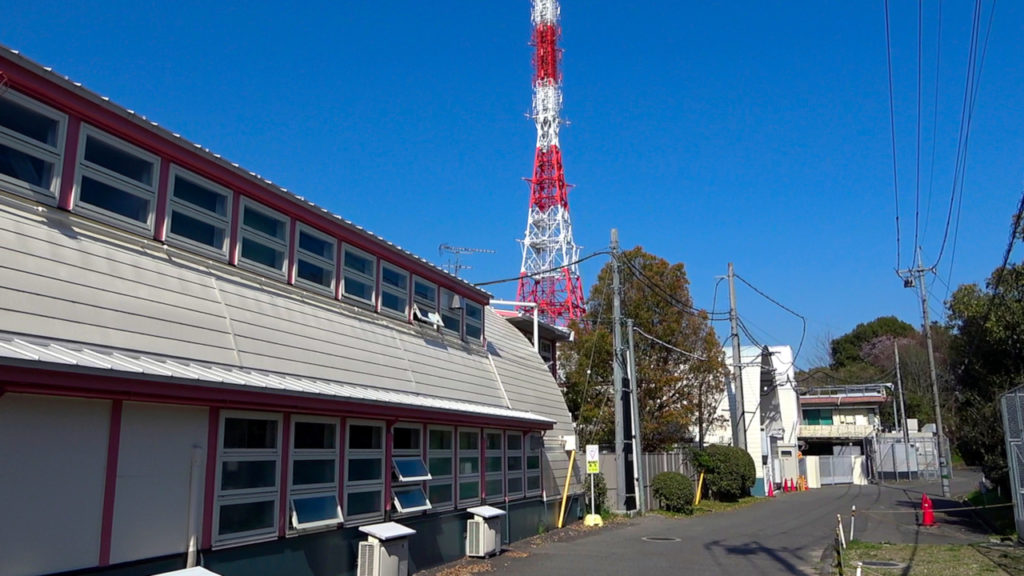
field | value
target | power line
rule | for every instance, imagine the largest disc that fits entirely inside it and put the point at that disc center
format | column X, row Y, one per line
column 803, row 320
column 542, row 272
column 892, row 133
column 935, row 119
column 647, row 281
column 917, row 182
column 667, row 345
column 971, row 83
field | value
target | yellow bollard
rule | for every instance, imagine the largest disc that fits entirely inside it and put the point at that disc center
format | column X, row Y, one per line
column 700, row 486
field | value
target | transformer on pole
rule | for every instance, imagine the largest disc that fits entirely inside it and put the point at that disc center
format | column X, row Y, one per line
column 549, row 274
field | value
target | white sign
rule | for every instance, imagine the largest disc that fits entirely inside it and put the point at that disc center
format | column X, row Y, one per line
column 593, row 456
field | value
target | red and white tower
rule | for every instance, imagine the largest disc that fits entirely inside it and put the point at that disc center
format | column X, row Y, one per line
column 549, row 275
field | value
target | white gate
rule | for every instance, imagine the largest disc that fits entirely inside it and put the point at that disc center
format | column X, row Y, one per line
column 835, row 469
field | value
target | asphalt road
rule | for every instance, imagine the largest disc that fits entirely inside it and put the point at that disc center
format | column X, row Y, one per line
column 785, row 535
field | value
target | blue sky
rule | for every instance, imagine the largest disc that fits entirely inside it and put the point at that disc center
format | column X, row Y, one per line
column 706, row 132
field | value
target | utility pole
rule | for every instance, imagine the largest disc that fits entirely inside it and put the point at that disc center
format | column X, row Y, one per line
column 912, row 277
column 638, row 472
column 902, row 408
column 623, row 453
column 739, row 428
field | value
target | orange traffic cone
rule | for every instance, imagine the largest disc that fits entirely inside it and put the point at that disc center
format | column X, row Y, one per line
column 927, row 511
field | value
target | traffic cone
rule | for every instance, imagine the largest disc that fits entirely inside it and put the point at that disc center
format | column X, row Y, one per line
column 927, row 511
column 785, row 485
column 771, row 489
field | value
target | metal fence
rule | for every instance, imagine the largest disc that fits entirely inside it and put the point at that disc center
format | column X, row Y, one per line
column 650, row 466
column 1013, row 426
column 894, row 459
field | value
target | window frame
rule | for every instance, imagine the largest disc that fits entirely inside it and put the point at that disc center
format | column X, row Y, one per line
column 511, row 453
column 328, row 264
column 26, row 145
column 282, row 244
column 124, row 184
column 468, row 321
column 384, row 287
column 447, row 479
column 491, row 476
column 370, row 279
column 399, row 484
column 533, row 445
column 246, row 495
column 445, row 298
column 467, row 477
column 313, row 490
column 217, row 220
column 364, row 486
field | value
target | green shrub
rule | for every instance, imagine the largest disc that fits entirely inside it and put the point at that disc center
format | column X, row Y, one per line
column 728, row 472
column 674, row 491
column 600, row 494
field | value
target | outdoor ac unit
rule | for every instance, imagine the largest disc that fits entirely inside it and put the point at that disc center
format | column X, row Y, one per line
column 389, row 558
column 483, row 537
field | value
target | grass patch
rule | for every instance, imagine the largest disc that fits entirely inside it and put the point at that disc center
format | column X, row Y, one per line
column 994, row 510
column 919, row 560
column 713, row 506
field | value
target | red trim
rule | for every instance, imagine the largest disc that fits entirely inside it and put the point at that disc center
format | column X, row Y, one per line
column 66, row 198
column 342, row 450
column 338, row 274
column 849, row 401
column 482, row 438
column 159, row 230
column 389, row 439
column 99, row 384
column 236, row 222
column 212, row 447
column 134, row 129
column 110, row 485
column 293, row 233
column 286, row 448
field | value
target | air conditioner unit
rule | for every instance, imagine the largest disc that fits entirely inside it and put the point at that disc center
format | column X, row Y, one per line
column 385, row 552
column 483, row 531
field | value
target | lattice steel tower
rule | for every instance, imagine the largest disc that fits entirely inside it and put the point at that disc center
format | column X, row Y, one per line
column 548, row 275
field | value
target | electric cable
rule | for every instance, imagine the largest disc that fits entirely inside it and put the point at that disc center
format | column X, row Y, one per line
column 803, row 319
column 892, row 134
column 542, row 272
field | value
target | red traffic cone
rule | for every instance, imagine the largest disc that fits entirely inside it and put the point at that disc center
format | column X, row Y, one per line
column 927, row 511
column 785, row 485
column 771, row 489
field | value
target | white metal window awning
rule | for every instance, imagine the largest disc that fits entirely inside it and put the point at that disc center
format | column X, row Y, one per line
column 62, row 355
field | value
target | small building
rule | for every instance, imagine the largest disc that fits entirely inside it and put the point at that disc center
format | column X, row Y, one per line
column 840, row 419
column 198, row 367
column 769, row 411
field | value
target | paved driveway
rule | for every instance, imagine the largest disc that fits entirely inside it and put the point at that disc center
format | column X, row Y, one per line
column 784, row 535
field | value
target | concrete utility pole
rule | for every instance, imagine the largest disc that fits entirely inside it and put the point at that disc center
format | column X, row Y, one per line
column 902, row 408
column 912, row 277
column 623, row 448
column 739, row 428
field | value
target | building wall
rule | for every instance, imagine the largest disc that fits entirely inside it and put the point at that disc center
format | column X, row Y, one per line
column 53, row 453
column 160, row 471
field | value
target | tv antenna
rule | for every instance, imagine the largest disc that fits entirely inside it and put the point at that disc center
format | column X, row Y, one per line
column 455, row 257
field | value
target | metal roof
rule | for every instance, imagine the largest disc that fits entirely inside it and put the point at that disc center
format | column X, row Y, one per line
column 148, row 124
column 15, row 350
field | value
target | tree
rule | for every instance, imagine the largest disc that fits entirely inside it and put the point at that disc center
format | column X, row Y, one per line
column 988, row 353
column 848, row 349
column 681, row 372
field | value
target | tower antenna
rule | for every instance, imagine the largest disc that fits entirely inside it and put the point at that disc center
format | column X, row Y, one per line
column 549, row 274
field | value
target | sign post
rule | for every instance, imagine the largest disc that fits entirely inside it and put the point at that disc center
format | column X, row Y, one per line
column 593, row 467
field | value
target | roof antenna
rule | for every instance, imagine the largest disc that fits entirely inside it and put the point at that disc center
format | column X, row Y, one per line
column 455, row 253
